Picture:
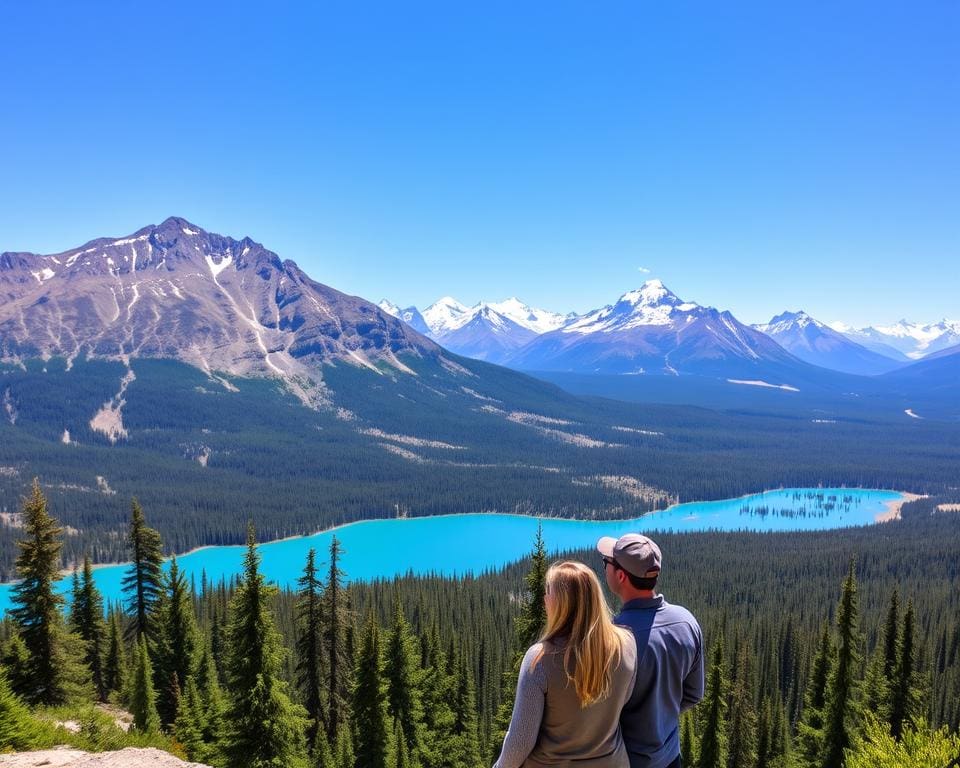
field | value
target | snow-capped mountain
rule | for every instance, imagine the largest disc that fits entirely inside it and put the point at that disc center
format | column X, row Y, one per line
column 653, row 331
column 911, row 340
column 411, row 316
column 818, row 344
column 176, row 291
column 487, row 331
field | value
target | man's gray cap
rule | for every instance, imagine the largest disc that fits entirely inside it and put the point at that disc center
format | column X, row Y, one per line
column 634, row 552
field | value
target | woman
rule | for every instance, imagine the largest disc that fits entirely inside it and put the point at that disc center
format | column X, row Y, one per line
column 574, row 682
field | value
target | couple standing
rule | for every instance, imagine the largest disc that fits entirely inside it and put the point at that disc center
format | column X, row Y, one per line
column 592, row 694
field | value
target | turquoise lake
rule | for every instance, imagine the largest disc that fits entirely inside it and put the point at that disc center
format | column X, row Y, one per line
column 461, row 544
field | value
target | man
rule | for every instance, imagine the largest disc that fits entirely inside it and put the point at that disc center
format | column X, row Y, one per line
column 669, row 652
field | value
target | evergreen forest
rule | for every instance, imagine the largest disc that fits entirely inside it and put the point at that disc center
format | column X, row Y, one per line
column 824, row 649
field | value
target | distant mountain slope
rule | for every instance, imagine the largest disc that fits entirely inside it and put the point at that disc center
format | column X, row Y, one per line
column 411, row 316
column 652, row 331
column 938, row 372
column 818, row 344
column 909, row 339
column 176, row 291
column 488, row 331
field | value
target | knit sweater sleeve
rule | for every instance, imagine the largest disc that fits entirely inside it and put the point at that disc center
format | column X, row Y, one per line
column 527, row 713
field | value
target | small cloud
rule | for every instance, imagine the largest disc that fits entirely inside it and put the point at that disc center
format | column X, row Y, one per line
column 644, row 270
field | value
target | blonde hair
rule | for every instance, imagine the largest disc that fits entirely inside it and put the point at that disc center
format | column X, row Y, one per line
column 580, row 614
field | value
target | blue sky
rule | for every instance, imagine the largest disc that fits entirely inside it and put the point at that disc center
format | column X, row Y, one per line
column 754, row 156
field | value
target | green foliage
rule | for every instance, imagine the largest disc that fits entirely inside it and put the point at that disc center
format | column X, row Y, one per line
column 87, row 622
column 840, row 711
column 811, row 726
column 115, row 663
column 143, row 698
column 310, row 631
column 372, row 746
column 176, row 641
column 54, row 671
column 18, row 731
column 143, row 584
column 713, row 711
column 338, row 655
column 403, row 678
column 264, row 728
column 919, row 747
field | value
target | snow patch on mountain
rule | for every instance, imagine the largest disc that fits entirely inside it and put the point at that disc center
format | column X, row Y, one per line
column 758, row 383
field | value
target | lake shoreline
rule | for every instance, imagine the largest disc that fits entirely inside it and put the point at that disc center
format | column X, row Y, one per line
column 892, row 513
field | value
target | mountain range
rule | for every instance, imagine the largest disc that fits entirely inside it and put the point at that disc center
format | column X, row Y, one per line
column 651, row 330
column 233, row 307
column 175, row 364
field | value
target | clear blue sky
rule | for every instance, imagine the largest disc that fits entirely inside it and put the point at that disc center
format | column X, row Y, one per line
column 754, row 156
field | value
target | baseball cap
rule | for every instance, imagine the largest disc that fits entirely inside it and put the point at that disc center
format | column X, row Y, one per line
column 634, row 552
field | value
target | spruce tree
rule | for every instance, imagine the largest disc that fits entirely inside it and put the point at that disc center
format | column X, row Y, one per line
column 742, row 741
column 336, row 643
column 208, row 684
column 189, row 725
column 87, row 622
column 528, row 626
column 309, row 612
column 18, row 731
column 688, row 739
column 810, row 729
column 840, row 709
column 905, row 699
column 403, row 675
column 877, row 685
column 143, row 583
column 264, row 728
column 372, row 747
column 713, row 710
column 115, row 663
column 436, row 687
column 54, row 672
column 466, row 752
column 143, row 698
column 177, row 641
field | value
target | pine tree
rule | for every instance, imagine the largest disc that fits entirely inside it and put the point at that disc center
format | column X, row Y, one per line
column 742, row 741
column 143, row 698
column 87, row 622
column 143, row 584
column 208, row 683
column 529, row 625
column 54, row 672
column 840, row 707
column 372, row 746
column 323, row 755
column 713, row 710
column 688, row 739
column 345, row 757
column 264, row 727
column 16, row 661
column 115, row 664
column 533, row 619
column 403, row 677
column 309, row 645
column 905, row 699
column 438, row 715
column 880, row 673
column 336, row 643
column 466, row 753
column 189, row 725
column 17, row 730
column 177, row 641
column 810, row 729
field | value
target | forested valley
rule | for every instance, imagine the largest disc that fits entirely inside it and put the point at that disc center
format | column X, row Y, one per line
column 201, row 457
column 824, row 649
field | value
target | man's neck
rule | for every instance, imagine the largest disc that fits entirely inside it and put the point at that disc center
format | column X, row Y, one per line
column 629, row 593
